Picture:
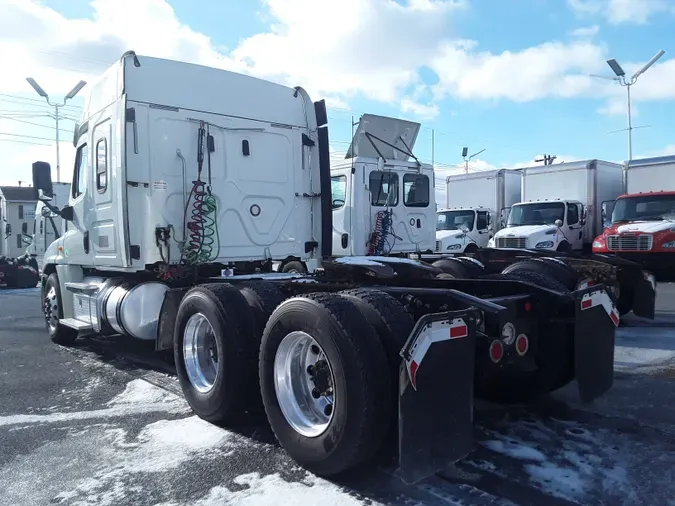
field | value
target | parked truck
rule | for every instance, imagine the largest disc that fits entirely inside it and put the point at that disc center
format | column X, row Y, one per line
column 173, row 187
column 47, row 226
column 560, row 206
column 640, row 224
column 382, row 196
column 20, row 272
column 475, row 209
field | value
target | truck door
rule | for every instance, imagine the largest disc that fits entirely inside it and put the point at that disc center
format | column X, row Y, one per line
column 105, row 227
column 418, row 217
column 383, row 186
column 76, row 242
column 575, row 233
column 341, row 186
column 483, row 232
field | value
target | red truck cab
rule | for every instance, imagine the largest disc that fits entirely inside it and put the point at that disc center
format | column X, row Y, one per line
column 642, row 229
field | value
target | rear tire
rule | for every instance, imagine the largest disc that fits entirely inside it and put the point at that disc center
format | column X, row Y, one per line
column 453, row 268
column 294, row 266
column 360, row 383
column 549, row 268
column 225, row 354
column 52, row 307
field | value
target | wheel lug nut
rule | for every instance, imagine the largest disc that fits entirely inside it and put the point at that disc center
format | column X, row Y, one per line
column 310, row 370
column 328, row 410
column 315, row 349
column 316, row 394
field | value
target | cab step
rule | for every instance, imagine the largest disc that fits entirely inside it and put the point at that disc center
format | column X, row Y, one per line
column 76, row 324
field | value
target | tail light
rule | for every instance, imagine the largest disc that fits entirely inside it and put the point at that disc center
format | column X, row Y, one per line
column 522, row 344
column 496, row 351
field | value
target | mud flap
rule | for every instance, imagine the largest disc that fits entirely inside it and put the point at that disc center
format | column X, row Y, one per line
column 644, row 296
column 596, row 320
column 436, row 380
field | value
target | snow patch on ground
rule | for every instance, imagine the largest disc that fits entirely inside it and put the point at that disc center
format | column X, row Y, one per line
column 138, row 397
column 272, row 490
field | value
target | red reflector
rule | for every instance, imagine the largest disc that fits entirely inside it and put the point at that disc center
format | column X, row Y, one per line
column 413, row 373
column 615, row 318
column 460, row 331
column 496, row 351
column 522, row 344
column 528, row 306
column 585, row 304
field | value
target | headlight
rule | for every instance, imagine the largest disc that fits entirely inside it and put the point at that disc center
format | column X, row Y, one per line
column 454, row 246
column 544, row 245
column 598, row 244
column 669, row 244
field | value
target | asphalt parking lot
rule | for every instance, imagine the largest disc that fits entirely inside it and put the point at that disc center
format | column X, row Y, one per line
column 103, row 423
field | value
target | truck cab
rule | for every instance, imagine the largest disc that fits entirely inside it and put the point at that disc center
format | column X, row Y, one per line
column 47, row 225
column 641, row 227
column 383, row 202
column 463, row 230
column 555, row 225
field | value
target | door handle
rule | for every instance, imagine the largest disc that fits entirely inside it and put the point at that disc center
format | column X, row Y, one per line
column 85, row 241
column 419, row 223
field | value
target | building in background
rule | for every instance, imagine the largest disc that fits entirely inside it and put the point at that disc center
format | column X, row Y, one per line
column 19, row 208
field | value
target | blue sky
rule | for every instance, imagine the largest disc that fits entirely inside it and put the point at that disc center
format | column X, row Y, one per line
column 507, row 76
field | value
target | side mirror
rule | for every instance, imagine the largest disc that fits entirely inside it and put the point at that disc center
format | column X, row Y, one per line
column 24, row 228
column 490, row 228
column 67, row 213
column 76, row 131
column 45, row 212
column 42, row 181
column 558, row 223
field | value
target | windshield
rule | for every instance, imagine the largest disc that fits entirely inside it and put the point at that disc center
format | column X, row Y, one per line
column 453, row 220
column 644, row 208
column 536, row 213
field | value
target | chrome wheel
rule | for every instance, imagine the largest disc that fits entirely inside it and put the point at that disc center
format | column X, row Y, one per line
column 303, row 382
column 200, row 353
column 50, row 307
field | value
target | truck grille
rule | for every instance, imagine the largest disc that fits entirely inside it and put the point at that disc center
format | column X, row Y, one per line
column 512, row 242
column 642, row 242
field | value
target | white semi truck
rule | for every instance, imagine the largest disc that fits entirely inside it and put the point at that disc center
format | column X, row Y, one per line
column 560, row 206
column 382, row 196
column 475, row 208
column 183, row 170
column 20, row 272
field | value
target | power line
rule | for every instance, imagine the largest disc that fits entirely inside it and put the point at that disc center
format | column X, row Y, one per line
column 31, row 123
column 26, row 136
column 33, row 102
column 24, row 142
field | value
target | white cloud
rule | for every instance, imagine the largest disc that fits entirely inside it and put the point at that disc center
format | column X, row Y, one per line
column 422, row 111
column 586, row 32
column 622, row 11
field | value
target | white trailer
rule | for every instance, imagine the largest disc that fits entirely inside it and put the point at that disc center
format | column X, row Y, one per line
column 560, row 207
column 182, row 171
column 476, row 208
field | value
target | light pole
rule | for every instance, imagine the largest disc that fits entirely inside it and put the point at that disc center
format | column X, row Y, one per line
column 621, row 79
column 76, row 89
column 466, row 160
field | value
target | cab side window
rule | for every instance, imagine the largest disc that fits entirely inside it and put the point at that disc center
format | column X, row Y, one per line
column 338, row 185
column 482, row 221
column 415, row 190
column 383, row 188
column 101, row 165
column 79, row 185
column 572, row 214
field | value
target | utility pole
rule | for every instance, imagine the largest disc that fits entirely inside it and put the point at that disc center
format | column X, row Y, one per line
column 56, row 107
column 547, row 159
column 621, row 79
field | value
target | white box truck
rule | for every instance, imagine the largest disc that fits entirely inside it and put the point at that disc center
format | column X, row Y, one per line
column 182, row 170
column 640, row 224
column 560, row 206
column 476, row 206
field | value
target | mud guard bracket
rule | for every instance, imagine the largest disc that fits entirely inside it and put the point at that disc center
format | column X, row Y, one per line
column 436, row 379
column 596, row 320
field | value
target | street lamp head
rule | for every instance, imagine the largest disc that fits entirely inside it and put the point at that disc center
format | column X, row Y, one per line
column 649, row 64
column 37, row 87
column 465, row 151
column 614, row 65
column 76, row 89
column 606, row 77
